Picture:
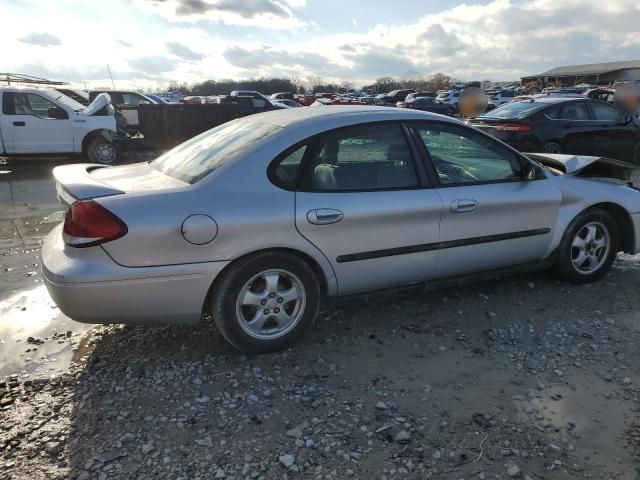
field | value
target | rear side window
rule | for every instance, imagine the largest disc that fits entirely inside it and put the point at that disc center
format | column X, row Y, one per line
column 574, row 111
column 284, row 172
column 369, row 157
column 604, row 112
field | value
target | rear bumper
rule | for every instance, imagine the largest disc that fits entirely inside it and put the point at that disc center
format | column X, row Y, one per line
column 88, row 286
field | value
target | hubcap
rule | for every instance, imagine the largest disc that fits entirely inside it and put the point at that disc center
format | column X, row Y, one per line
column 590, row 248
column 105, row 153
column 271, row 304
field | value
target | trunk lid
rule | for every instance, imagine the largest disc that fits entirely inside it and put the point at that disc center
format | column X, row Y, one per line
column 87, row 180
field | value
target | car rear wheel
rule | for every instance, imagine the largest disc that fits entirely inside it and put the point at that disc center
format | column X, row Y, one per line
column 101, row 150
column 266, row 301
column 552, row 147
column 588, row 248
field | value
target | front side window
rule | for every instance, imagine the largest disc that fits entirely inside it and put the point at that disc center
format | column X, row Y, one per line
column 605, row 113
column 129, row 98
column 370, row 157
column 27, row 104
column 462, row 156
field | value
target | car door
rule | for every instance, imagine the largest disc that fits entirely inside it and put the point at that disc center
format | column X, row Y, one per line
column 612, row 136
column 365, row 203
column 28, row 126
column 492, row 216
column 574, row 127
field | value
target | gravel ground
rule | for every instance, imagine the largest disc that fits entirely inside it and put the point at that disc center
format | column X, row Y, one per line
column 520, row 377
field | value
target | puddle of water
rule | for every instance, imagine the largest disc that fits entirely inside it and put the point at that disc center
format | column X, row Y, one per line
column 32, row 313
column 589, row 416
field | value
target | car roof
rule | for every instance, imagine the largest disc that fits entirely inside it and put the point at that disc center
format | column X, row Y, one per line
column 284, row 118
column 553, row 99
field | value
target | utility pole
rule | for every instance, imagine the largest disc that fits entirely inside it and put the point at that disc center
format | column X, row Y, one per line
column 112, row 82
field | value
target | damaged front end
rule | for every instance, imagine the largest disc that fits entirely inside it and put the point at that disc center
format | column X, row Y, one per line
column 587, row 166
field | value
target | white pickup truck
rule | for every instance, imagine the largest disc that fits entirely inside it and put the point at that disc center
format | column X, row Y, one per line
column 39, row 121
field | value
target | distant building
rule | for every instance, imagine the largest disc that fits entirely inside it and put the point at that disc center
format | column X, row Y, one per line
column 598, row 73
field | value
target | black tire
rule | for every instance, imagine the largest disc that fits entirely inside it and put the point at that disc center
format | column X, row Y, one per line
column 97, row 148
column 552, row 147
column 564, row 268
column 229, row 287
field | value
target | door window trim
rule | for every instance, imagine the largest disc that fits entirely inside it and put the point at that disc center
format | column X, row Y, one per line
column 433, row 173
column 275, row 163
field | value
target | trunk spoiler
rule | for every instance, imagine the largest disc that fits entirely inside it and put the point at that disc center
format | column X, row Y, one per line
column 75, row 182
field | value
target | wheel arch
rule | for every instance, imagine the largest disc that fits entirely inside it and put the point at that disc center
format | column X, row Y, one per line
column 89, row 137
column 326, row 289
column 623, row 222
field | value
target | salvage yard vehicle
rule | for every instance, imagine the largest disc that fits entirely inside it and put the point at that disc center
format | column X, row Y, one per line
column 564, row 125
column 260, row 219
column 428, row 104
column 43, row 121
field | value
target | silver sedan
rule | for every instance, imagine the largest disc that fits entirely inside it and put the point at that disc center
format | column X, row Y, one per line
column 258, row 220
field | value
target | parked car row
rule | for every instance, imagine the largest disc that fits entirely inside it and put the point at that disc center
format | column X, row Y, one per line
column 557, row 124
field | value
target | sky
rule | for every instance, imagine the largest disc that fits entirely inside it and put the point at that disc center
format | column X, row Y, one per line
column 149, row 43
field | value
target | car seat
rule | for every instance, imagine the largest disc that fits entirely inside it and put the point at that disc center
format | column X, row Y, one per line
column 398, row 172
column 327, row 174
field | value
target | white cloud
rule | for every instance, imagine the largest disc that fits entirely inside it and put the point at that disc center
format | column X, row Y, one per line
column 500, row 40
column 270, row 14
column 41, row 39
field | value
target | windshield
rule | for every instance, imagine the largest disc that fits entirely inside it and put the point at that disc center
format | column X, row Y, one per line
column 68, row 102
column 515, row 110
column 198, row 157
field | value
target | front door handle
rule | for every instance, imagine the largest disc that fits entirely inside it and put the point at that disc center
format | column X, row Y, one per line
column 19, row 124
column 324, row 216
column 464, row 205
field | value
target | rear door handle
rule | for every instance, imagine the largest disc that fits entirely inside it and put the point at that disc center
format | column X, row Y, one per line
column 324, row 216
column 464, row 205
column 19, row 124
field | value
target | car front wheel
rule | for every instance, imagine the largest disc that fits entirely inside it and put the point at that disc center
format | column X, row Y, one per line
column 588, row 248
column 101, row 150
column 266, row 301
column 552, row 147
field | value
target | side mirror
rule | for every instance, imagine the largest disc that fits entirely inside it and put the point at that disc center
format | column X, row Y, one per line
column 529, row 172
column 58, row 113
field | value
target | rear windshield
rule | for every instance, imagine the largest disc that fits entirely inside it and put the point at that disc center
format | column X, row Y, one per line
column 198, row 157
column 515, row 110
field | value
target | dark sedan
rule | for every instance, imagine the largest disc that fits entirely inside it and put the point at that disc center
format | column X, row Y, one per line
column 564, row 125
column 428, row 104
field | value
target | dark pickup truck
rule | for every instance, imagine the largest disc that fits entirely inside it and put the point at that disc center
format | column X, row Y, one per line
column 396, row 96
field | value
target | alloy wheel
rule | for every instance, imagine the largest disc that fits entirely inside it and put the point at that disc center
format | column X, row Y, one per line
column 590, row 248
column 271, row 304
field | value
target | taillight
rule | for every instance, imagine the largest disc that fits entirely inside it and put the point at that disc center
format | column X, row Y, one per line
column 513, row 127
column 88, row 223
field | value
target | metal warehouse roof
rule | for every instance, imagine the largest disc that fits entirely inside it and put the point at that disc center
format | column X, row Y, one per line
column 590, row 68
